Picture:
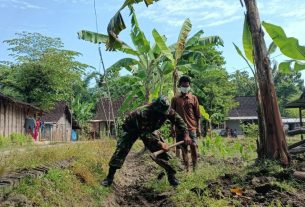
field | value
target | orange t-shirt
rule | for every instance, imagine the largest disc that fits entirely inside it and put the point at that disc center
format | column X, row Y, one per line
column 187, row 107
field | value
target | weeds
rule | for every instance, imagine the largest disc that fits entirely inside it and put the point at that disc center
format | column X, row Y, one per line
column 15, row 139
column 224, row 148
column 77, row 185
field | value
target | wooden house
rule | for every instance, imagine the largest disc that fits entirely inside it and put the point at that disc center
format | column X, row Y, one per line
column 103, row 121
column 58, row 124
column 13, row 115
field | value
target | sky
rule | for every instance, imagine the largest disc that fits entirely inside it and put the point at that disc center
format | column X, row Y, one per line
column 64, row 18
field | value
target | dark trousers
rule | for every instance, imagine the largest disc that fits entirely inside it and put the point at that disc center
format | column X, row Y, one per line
column 150, row 140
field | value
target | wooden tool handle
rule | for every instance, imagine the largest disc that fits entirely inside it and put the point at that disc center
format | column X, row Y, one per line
column 171, row 146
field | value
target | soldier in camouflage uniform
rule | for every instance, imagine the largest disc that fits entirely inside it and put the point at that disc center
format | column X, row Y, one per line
column 143, row 123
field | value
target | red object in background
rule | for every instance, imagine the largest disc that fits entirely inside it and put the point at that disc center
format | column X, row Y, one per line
column 36, row 132
column 30, row 131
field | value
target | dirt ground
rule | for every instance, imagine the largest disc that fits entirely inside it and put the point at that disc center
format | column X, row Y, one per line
column 129, row 185
column 257, row 187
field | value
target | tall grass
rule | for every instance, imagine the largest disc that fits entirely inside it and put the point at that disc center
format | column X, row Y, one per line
column 77, row 185
column 15, row 139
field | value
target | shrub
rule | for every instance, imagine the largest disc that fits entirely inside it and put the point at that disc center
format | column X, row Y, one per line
column 21, row 139
column 250, row 130
column 4, row 141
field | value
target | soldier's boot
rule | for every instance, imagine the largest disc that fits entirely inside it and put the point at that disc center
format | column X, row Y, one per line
column 109, row 179
column 173, row 181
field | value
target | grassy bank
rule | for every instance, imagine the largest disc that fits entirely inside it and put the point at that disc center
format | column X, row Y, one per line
column 77, row 185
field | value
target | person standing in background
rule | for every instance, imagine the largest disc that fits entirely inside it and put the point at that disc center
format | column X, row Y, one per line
column 187, row 106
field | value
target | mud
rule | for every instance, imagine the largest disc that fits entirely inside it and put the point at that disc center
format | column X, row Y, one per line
column 129, row 185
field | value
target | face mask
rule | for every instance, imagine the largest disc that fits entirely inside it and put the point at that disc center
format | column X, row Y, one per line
column 185, row 89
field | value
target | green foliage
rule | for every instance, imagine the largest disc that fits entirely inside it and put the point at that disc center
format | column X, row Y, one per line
column 215, row 91
column 116, row 24
column 203, row 113
column 286, row 75
column 289, row 46
column 206, row 144
column 165, row 131
column 82, row 111
column 3, row 141
column 44, row 74
column 224, row 148
column 16, row 140
column 250, row 129
column 247, row 41
column 288, row 88
column 182, row 39
column 244, row 84
column 27, row 47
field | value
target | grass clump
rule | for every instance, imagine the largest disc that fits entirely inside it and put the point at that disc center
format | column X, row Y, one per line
column 15, row 139
column 59, row 188
column 77, row 185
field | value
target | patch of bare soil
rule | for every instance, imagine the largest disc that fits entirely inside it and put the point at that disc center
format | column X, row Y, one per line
column 257, row 188
column 129, row 185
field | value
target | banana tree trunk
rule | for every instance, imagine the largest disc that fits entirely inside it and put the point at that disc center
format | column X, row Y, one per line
column 273, row 144
column 175, row 80
column 147, row 94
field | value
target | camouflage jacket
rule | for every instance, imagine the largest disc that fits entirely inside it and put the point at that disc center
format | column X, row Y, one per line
column 145, row 120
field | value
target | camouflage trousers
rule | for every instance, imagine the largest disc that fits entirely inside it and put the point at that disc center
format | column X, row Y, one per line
column 150, row 141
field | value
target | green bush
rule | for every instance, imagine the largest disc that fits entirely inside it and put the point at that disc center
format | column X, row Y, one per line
column 166, row 132
column 250, row 130
column 21, row 139
column 3, row 141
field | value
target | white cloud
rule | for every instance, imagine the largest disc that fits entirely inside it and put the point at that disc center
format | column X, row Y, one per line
column 224, row 21
column 19, row 4
column 218, row 12
column 204, row 12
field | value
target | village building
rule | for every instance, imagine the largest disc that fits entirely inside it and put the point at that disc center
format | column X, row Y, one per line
column 17, row 116
column 103, row 122
column 58, row 124
column 246, row 112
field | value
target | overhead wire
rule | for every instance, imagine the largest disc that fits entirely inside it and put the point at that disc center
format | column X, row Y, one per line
column 110, row 105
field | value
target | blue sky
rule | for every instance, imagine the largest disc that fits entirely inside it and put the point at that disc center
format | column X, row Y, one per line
column 64, row 18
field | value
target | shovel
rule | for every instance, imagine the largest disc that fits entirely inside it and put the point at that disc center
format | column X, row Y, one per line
column 155, row 154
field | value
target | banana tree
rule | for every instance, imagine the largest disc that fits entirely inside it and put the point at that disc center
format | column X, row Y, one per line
column 272, row 143
column 176, row 54
column 289, row 46
column 117, row 24
column 145, row 65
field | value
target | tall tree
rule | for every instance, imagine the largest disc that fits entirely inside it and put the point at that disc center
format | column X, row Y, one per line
column 244, row 84
column 42, row 74
column 31, row 46
column 272, row 142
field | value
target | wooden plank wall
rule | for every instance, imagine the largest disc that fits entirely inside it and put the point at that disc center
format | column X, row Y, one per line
column 12, row 118
column 2, row 119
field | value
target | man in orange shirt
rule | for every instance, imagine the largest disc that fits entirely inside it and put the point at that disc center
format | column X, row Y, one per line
column 187, row 106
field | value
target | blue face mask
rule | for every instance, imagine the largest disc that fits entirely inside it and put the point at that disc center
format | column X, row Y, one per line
column 185, row 89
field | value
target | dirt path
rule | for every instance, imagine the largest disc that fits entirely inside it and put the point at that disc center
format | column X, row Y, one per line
column 129, row 187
